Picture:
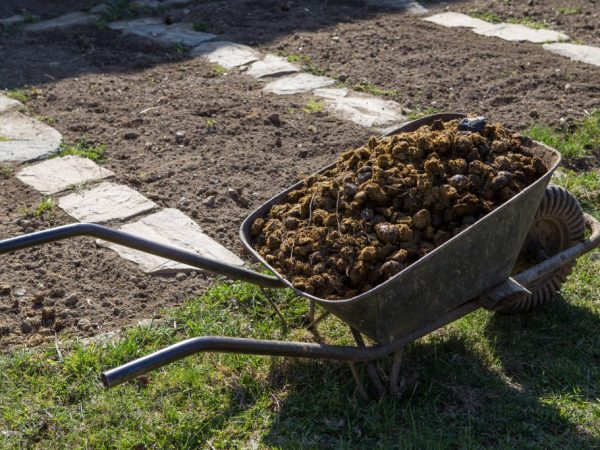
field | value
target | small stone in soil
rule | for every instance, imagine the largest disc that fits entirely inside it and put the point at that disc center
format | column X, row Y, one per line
column 5, row 289
column 209, row 201
column 71, row 300
column 131, row 135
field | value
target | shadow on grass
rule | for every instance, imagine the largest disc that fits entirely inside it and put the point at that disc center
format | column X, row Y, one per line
column 523, row 393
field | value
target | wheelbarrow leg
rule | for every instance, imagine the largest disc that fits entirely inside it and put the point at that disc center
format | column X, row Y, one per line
column 371, row 368
column 395, row 386
column 359, row 384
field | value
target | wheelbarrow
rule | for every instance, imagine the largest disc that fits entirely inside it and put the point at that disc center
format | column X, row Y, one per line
column 513, row 259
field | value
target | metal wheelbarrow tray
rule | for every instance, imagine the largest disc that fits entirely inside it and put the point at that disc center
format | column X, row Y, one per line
column 540, row 230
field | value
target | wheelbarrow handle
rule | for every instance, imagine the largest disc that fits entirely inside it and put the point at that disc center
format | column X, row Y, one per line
column 141, row 244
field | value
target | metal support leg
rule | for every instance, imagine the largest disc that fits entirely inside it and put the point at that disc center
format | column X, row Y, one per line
column 395, row 387
column 371, row 369
column 359, row 384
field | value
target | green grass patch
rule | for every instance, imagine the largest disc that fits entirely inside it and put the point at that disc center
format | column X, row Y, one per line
column 569, row 10
column 526, row 381
column 527, row 22
column 200, row 26
column 488, row 16
column 6, row 172
column 419, row 112
column 219, row 70
column 4, row 138
column 180, row 48
column 374, row 90
column 119, row 10
column 85, row 149
column 20, row 95
column 585, row 186
column 44, row 209
column 313, row 106
column 574, row 141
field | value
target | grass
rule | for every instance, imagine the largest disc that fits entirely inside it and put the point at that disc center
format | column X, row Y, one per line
column 119, row 10
column 219, row 70
column 585, row 186
column 527, row 381
column 492, row 17
column 6, row 172
column 419, row 112
column 569, row 10
column 200, row 26
column 20, row 95
column 571, row 142
column 85, row 149
column 44, row 209
column 313, row 106
column 180, row 48
column 374, row 90
column 4, row 138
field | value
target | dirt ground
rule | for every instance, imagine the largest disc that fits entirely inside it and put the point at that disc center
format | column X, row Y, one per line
column 134, row 96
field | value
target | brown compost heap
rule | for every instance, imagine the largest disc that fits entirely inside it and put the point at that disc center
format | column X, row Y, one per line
column 388, row 203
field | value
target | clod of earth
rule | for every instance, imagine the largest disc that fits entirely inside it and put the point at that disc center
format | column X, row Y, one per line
column 387, row 204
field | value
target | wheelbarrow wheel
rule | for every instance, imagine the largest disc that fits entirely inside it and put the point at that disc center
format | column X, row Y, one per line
column 558, row 224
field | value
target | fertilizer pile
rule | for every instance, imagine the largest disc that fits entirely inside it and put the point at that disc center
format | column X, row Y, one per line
column 387, row 204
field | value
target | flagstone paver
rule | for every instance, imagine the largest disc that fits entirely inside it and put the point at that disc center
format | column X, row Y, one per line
column 23, row 138
column 506, row 31
column 361, row 109
column 107, row 201
column 66, row 21
column 156, row 29
column 518, row 32
column 171, row 227
column 298, row 83
column 12, row 20
column 226, row 54
column 582, row 53
column 453, row 19
column 270, row 66
column 56, row 175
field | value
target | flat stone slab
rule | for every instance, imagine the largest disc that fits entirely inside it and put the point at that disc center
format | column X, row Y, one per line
column 56, row 175
column 107, row 201
column 66, row 21
column 158, row 3
column 296, row 84
column 8, row 104
column 23, row 138
column 518, row 32
column 156, row 29
column 12, row 20
column 454, row 19
column 171, row 227
column 582, row 53
column 364, row 110
column 411, row 6
column 226, row 54
column 271, row 66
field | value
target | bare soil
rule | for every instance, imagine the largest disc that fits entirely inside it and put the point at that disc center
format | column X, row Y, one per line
column 239, row 146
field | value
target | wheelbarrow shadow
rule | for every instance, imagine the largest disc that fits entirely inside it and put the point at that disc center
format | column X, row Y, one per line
column 455, row 394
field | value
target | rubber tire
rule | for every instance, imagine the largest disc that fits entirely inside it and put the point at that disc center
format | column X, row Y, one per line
column 558, row 224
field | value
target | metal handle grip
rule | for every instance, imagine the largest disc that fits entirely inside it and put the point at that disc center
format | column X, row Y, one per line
column 141, row 244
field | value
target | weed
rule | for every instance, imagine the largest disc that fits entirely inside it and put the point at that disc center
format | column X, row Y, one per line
column 211, row 125
column 45, row 209
column 527, row 22
column 313, row 106
column 85, row 149
column 20, row 95
column 293, row 58
column 46, row 119
column 573, row 141
column 569, row 10
column 291, row 110
column 180, row 48
column 200, row 26
column 374, row 90
column 488, row 16
column 6, row 172
column 4, row 138
column 119, row 10
column 30, row 18
column 419, row 112
column 219, row 70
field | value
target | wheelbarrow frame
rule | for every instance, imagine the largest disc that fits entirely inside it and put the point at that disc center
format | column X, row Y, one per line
column 491, row 298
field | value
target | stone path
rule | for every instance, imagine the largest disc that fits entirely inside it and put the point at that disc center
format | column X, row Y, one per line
column 517, row 32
